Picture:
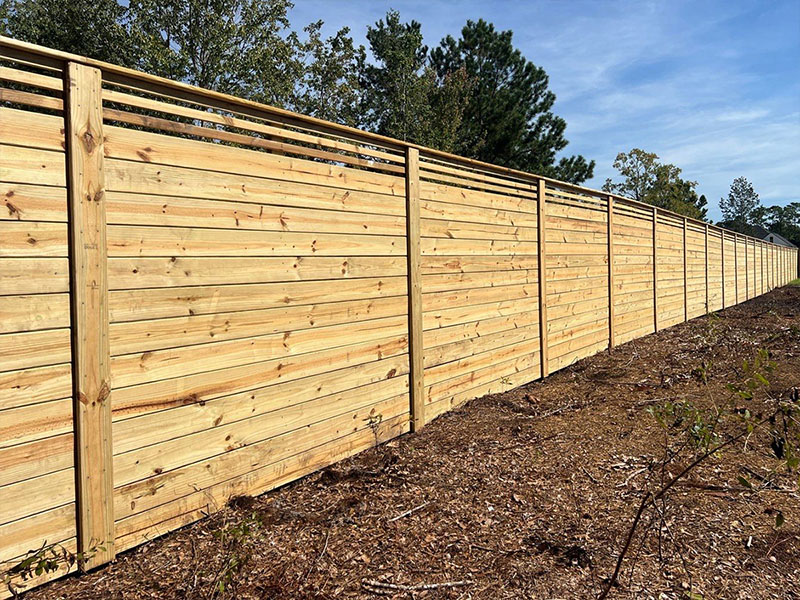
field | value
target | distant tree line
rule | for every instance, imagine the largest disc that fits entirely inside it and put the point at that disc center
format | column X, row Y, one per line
column 475, row 95
column 648, row 180
column 742, row 211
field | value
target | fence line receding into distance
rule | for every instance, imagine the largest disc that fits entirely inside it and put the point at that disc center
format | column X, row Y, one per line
column 203, row 297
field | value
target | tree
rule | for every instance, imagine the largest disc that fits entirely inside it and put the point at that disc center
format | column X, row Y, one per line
column 330, row 87
column 508, row 118
column 739, row 207
column 396, row 92
column 648, row 180
column 403, row 96
column 241, row 47
column 783, row 220
column 93, row 28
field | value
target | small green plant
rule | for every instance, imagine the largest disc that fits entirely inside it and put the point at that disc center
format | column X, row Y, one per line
column 237, row 540
column 49, row 558
column 702, row 434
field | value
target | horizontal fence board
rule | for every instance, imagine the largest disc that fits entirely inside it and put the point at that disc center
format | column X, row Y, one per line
column 147, row 272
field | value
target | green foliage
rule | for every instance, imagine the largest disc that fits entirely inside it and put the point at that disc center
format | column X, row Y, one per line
column 738, row 209
column 241, row 47
column 754, row 375
column 49, row 558
column 476, row 95
column 508, row 118
column 783, row 220
column 403, row 96
column 646, row 179
column 330, row 86
column 699, row 424
column 93, row 28
column 238, row 541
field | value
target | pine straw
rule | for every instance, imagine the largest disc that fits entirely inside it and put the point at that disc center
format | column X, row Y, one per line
column 527, row 494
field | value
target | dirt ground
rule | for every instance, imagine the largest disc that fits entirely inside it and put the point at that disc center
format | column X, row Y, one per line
column 527, row 494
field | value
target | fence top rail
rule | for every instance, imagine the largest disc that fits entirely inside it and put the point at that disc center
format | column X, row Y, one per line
column 55, row 59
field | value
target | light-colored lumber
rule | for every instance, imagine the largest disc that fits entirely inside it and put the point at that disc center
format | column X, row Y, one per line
column 415, row 307
column 705, row 270
column 32, row 166
column 149, row 304
column 89, row 295
column 655, row 269
column 128, row 241
column 542, row 257
column 611, row 307
column 152, row 272
column 685, row 256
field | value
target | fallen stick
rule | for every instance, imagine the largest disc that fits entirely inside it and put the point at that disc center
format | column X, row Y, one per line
column 408, row 512
column 382, row 585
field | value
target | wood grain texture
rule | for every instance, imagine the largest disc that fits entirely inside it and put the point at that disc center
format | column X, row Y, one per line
column 413, row 254
column 541, row 224
column 89, row 299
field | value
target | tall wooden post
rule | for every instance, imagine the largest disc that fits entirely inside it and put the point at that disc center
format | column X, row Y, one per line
column 89, row 309
column 735, row 269
column 541, row 222
column 415, row 344
column 706, row 267
column 722, row 255
column 611, row 328
column 746, row 270
column 655, row 269
column 685, row 274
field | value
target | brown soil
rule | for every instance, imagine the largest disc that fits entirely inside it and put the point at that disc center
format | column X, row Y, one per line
column 527, row 494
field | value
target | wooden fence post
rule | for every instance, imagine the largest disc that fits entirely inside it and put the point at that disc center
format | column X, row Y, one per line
column 541, row 223
column 611, row 328
column 722, row 251
column 735, row 269
column 706, row 270
column 89, row 309
column 685, row 274
column 746, row 270
column 415, row 345
column 655, row 269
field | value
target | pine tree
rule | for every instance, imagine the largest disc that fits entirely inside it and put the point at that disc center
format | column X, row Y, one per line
column 508, row 119
column 742, row 201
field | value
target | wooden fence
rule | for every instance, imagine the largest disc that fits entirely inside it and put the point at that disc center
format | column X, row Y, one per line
column 203, row 297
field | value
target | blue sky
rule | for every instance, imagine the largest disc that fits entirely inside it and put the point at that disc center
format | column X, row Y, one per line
column 711, row 86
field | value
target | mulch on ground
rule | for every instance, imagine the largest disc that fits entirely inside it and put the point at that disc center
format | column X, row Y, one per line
column 527, row 494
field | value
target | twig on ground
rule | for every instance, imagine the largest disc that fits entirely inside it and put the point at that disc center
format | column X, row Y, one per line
column 383, row 587
column 631, row 476
column 408, row 512
column 589, row 475
column 319, row 557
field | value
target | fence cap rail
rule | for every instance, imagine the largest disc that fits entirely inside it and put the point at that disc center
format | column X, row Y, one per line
column 50, row 55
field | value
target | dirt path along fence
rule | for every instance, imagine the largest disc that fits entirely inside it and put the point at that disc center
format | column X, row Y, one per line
column 203, row 297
